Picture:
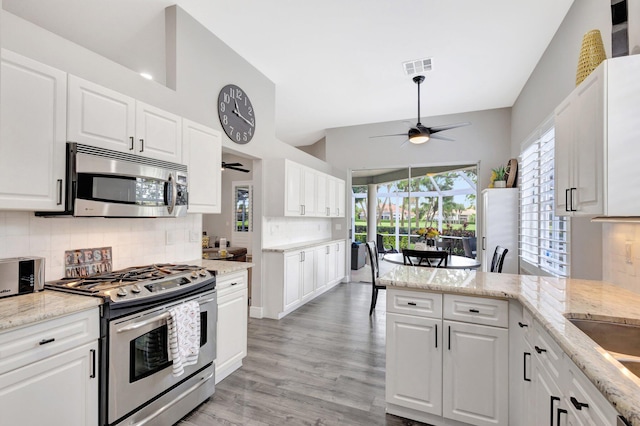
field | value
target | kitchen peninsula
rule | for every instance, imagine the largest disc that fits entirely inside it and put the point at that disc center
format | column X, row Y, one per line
column 538, row 316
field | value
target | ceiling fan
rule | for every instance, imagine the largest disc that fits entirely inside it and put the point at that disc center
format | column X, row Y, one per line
column 234, row 166
column 421, row 134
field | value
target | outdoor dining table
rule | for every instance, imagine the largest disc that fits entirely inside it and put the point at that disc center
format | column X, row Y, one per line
column 454, row 261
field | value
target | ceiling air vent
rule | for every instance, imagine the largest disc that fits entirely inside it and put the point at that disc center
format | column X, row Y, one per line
column 417, row 66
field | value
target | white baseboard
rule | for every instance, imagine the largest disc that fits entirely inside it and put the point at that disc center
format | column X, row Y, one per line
column 256, row 312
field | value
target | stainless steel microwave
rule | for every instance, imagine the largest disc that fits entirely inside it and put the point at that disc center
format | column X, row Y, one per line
column 105, row 183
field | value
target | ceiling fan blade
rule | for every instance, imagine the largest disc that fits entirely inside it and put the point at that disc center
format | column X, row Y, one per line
column 237, row 169
column 432, row 136
column 436, row 129
column 384, row 136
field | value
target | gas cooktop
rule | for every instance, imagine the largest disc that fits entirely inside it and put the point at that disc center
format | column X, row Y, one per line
column 136, row 282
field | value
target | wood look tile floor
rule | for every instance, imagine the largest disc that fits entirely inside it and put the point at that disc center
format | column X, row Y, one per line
column 323, row 364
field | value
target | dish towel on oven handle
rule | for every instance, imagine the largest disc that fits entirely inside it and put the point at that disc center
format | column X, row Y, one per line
column 184, row 335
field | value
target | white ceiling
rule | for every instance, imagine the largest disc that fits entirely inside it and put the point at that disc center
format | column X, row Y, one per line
column 335, row 62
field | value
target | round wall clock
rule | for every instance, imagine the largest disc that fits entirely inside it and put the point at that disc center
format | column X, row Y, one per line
column 236, row 114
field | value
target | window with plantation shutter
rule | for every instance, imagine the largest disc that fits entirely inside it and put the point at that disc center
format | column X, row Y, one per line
column 544, row 236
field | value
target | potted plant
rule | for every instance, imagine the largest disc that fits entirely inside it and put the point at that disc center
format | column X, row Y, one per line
column 499, row 177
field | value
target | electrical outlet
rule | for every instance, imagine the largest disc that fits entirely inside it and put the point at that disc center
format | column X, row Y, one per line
column 628, row 252
column 169, row 237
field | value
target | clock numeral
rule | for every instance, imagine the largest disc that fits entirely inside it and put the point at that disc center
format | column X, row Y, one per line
column 245, row 138
column 250, row 131
column 231, row 130
column 226, row 98
column 250, row 110
column 225, row 119
column 238, row 136
column 223, row 107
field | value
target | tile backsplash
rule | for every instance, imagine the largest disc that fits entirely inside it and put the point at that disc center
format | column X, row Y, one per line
column 280, row 231
column 133, row 241
column 621, row 255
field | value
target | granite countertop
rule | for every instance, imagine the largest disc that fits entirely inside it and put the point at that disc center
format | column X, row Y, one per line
column 222, row 266
column 298, row 246
column 26, row 309
column 551, row 301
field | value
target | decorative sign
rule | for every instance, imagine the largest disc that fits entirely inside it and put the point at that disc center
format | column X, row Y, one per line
column 87, row 262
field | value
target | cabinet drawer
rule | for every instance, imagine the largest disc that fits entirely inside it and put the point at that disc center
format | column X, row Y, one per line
column 476, row 310
column 585, row 401
column 32, row 343
column 231, row 282
column 547, row 351
column 416, row 303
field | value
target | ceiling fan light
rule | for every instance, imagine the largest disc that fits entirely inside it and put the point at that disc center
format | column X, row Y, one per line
column 418, row 139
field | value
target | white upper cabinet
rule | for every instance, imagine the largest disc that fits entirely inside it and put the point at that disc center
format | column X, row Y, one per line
column 103, row 117
column 596, row 149
column 201, row 148
column 307, row 192
column 33, row 134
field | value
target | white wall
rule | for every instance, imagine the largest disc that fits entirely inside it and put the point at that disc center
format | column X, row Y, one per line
column 617, row 268
column 198, row 66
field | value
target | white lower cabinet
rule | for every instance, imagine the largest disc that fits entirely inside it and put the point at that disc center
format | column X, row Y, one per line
column 446, row 372
column 295, row 277
column 475, row 371
column 414, row 363
column 231, row 337
column 53, row 363
column 546, row 387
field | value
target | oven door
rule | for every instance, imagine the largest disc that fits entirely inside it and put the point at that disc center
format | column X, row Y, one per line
column 138, row 365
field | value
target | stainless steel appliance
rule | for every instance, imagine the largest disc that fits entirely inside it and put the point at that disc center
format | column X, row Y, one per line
column 20, row 275
column 137, row 386
column 105, row 183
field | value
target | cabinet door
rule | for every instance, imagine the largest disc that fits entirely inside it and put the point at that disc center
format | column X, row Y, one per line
column 293, row 189
column 322, row 205
column 292, row 263
column 231, row 340
column 340, row 260
column 413, row 364
column 158, row 133
column 309, row 192
column 322, row 253
column 589, row 151
column 332, row 264
column 563, row 156
column 475, row 374
column 308, row 273
column 202, row 154
column 100, row 117
column 64, row 388
column 340, row 201
column 332, row 196
column 33, row 135
column 545, row 400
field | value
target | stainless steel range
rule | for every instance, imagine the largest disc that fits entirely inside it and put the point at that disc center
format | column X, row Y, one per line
column 137, row 386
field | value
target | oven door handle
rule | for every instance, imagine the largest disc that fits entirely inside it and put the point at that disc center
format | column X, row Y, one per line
column 175, row 401
column 160, row 317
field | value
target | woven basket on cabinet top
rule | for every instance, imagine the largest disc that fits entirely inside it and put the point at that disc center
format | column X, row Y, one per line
column 591, row 55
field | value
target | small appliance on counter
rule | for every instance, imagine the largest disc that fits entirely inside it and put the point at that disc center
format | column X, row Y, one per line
column 21, row 275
